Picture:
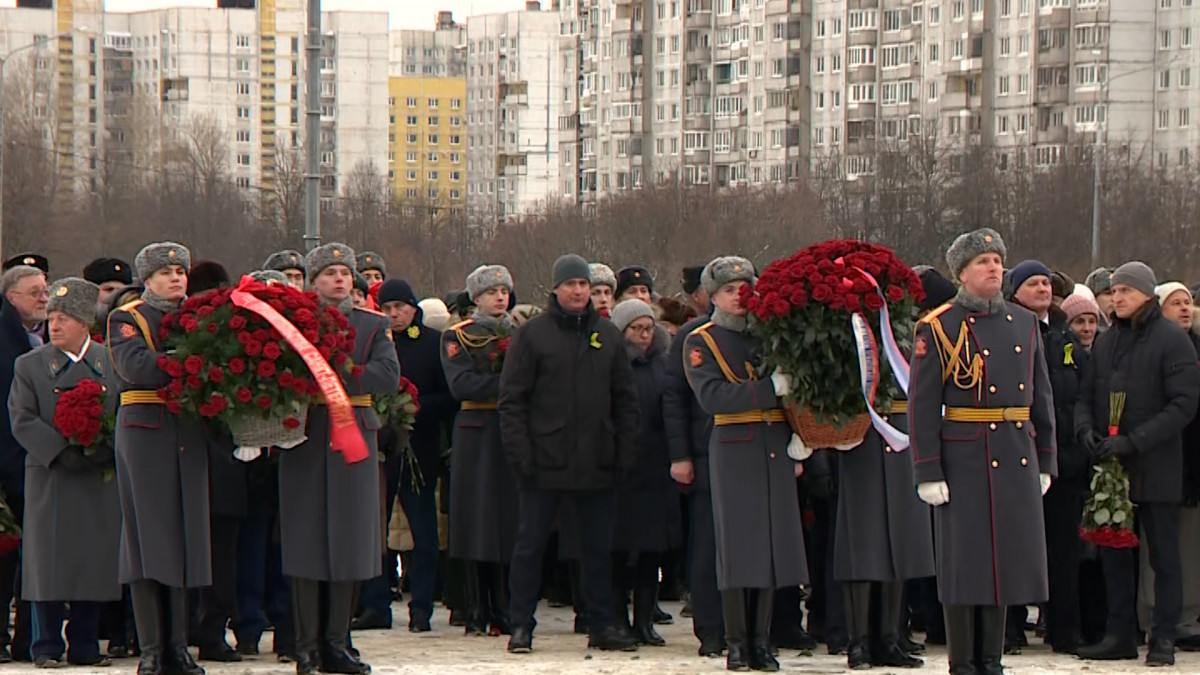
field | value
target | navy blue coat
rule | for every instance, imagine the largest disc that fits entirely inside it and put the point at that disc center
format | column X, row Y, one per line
column 14, row 342
column 419, row 351
column 687, row 426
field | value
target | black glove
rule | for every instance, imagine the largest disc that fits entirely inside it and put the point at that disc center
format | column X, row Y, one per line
column 1115, row 446
column 73, row 460
column 102, row 458
column 1090, row 440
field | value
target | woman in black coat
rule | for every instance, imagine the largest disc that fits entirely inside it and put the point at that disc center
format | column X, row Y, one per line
column 648, row 516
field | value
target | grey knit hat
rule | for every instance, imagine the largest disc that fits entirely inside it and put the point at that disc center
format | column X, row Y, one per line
column 74, row 297
column 1099, row 281
column 1136, row 275
column 568, row 267
column 602, row 275
column 972, row 244
column 154, row 257
column 286, row 259
column 488, row 276
column 369, row 260
column 723, row 270
column 628, row 311
column 269, row 276
column 330, row 254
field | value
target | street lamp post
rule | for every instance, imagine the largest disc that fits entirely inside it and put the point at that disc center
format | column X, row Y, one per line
column 4, row 60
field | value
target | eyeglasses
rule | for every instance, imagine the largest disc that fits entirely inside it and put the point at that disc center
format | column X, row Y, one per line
column 641, row 330
column 43, row 294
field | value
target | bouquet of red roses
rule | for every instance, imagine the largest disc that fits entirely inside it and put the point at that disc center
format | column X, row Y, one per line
column 228, row 363
column 1108, row 512
column 496, row 356
column 79, row 415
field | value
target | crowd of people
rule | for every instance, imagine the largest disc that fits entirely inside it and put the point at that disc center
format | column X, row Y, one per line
column 611, row 448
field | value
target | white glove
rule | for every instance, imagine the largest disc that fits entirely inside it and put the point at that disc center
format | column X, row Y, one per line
column 934, row 493
column 1045, row 478
column 247, row 454
column 797, row 450
column 782, row 383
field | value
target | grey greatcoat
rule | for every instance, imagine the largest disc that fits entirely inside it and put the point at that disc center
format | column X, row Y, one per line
column 72, row 528
column 328, row 509
column 990, row 539
column 483, row 489
column 162, row 466
column 760, row 540
column 883, row 529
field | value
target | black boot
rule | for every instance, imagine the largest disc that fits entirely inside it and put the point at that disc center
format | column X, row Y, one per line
column 887, row 651
column 960, row 638
column 178, row 659
column 989, row 648
column 306, row 615
column 336, row 656
column 857, row 595
column 620, row 609
column 476, row 623
column 761, row 656
column 644, row 600
column 498, row 600
column 737, row 639
column 148, row 615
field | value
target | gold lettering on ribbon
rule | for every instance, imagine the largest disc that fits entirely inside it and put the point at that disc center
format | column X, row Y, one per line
column 344, row 435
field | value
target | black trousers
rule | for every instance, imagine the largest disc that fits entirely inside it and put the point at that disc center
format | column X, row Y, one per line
column 83, row 626
column 218, row 602
column 1063, row 509
column 1160, row 523
column 707, row 620
column 538, row 510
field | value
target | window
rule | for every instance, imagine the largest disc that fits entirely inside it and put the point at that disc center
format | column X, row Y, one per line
column 956, row 11
column 862, row 93
column 1164, row 39
column 935, row 54
column 1023, row 42
column 433, row 120
column 860, row 56
column 455, row 139
column 243, row 136
column 861, row 19
column 1089, row 114
column 410, row 157
column 456, row 158
column 243, row 182
column 1185, row 38
column 819, row 65
column 1091, row 75
column 243, row 159
column 432, row 139
column 243, row 65
column 1185, row 117
column 1022, row 84
column 935, row 15
column 1185, row 78
column 433, row 158
column 455, row 121
column 244, row 41
column 243, row 112
column 1048, row 155
column 1164, row 119
column 1164, row 79
column 243, row 88
column 1002, row 124
column 892, row 20
column 1002, row 85
column 411, row 101
column 1005, row 46
column 721, row 141
column 411, row 120
column 933, row 91
column 1092, row 35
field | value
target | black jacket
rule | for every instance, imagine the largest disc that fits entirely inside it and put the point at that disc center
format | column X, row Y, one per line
column 14, row 341
column 686, row 424
column 653, row 468
column 419, row 351
column 1191, row 447
column 1152, row 360
column 1064, row 362
column 568, row 403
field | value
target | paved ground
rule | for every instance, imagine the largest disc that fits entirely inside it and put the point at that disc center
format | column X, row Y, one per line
column 558, row 651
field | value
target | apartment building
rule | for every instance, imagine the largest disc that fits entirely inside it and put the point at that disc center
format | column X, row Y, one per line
column 514, row 100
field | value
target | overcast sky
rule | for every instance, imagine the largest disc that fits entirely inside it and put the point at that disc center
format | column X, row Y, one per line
column 404, row 13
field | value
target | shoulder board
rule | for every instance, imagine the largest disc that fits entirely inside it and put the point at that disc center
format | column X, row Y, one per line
column 701, row 329
column 462, row 324
column 935, row 313
column 371, row 311
column 133, row 304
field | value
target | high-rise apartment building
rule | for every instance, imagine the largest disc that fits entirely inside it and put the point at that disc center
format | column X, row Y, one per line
column 515, row 77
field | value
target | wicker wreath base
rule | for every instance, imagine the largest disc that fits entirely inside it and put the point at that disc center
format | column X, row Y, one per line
column 824, row 435
column 255, row 432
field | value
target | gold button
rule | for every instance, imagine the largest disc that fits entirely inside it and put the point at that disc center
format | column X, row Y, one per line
column 1018, row 349
column 995, row 463
column 1020, row 425
column 772, row 455
column 971, row 319
column 887, row 448
column 992, row 426
column 1024, row 462
column 992, row 388
column 987, row 352
column 1009, row 317
column 1021, row 386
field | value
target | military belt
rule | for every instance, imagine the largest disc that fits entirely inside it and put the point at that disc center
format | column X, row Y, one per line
column 359, row 401
column 981, row 415
column 750, row 417
column 141, row 397
column 479, row 405
column 898, row 408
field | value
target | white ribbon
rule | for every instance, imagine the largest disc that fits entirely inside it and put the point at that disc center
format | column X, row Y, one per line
column 868, row 370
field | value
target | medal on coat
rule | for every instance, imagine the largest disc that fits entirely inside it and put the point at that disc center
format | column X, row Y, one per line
column 695, row 357
column 451, row 350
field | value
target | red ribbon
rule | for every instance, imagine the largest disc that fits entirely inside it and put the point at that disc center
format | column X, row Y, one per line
column 1114, row 430
column 344, row 435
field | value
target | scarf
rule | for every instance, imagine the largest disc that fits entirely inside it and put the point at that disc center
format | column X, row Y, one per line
column 728, row 321
column 979, row 305
column 158, row 302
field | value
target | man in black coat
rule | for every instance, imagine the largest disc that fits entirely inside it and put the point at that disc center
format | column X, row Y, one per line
column 1151, row 361
column 22, row 329
column 569, row 424
column 419, row 351
column 1063, row 503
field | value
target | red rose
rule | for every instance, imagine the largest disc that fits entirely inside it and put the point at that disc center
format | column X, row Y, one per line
column 174, row 368
column 243, row 395
column 822, row 293
column 502, row 345
column 253, row 348
column 326, row 353
column 851, row 302
column 194, row 382
column 286, row 379
column 265, row 368
column 357, row 371
column 873, row 302
column 193, row 364
column 215, row 375
column 174, row 407
column 895, row 294
column 212, row 327
column 291, row 422
column 206, row 410
column 204, row 312
column 798, row 297
column 163, row 361
column 238, row 322
column 263, row 401
column 237, row 366
column 218, row 402
column 243, row 337
column 271, row 351
column 310, row 334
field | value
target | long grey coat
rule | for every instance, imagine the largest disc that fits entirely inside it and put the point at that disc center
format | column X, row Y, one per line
column 883, row 529
column 328, row 509
column 990, row 538
column 72, row 528
column 162, row 467
column 760, row 540
column 483, row 490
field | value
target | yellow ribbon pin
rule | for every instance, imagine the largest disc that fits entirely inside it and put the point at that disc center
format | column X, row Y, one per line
column 595, row 341
column 1069, row 354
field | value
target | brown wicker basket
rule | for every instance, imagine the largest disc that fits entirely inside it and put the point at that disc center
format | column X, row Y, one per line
column 823, row 435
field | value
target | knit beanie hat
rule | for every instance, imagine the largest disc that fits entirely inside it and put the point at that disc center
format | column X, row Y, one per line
column 568, row 267
column 628, row 311
column 1169, row 288
column 434, row 314
column 970, row 245
column 397, row 290
column 1077, row 304
column 602, row 275
column 154, row 257
column 74, row 297
column 1136, row 275
column 632, row 276
column 1025, row 270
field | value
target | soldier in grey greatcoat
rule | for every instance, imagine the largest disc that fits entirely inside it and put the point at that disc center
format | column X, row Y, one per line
column 483, row 490
column 290, row 264
column 162, row 470
column 760, row 542
column 72, row 513
column 985, row 461
column 371, row 267
column 329, row 510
